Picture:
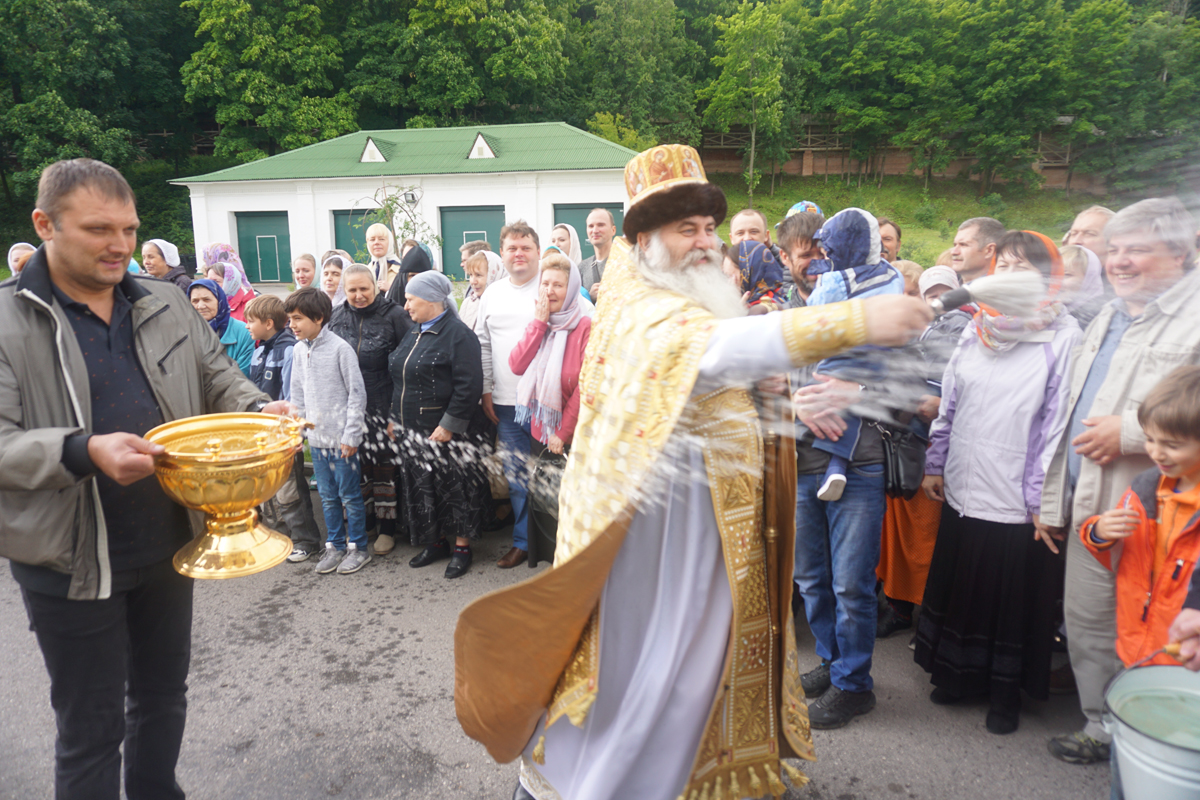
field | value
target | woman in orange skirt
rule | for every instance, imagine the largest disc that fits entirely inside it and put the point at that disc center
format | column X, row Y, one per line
column 909, row 531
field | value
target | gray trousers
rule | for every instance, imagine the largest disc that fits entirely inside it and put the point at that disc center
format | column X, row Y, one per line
column 1090, row 609
column 290, row 511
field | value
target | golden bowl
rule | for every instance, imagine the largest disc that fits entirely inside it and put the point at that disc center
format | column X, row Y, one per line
column 225, row 465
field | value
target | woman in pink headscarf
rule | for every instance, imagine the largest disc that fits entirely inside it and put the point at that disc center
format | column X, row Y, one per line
column 548, row 359
column 550, row 355
column 222, row 265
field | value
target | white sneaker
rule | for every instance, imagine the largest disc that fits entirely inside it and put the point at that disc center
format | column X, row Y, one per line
column 832, row 488
column 300, row 553
column 383, row 544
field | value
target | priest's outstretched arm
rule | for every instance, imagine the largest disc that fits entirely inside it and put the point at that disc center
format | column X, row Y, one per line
column 746, row 349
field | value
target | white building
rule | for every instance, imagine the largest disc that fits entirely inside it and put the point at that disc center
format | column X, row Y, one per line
column 465, row 184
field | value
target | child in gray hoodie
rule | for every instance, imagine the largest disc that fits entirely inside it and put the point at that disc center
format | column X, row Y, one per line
column 327, row 389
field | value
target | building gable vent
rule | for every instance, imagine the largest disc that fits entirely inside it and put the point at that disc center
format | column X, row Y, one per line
column 481, row 149
column 371, row 154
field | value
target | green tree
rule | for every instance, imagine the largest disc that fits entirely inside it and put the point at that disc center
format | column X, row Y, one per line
column 701, row 19
column 1098, row 72
column 930, row 107
column 748, row 88
column 1153, row 132
column 61, row 65
column 1008, row 56
column 457, row 62
column 269, row 68
column 637, row 57
column 614, row 128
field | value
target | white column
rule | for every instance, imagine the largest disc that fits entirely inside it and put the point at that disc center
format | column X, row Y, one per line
column 302, row 222
column 200, row 223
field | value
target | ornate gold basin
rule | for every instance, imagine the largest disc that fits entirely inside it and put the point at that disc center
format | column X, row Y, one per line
column 225, row 465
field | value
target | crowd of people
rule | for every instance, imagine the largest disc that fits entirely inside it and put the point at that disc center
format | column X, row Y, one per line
column 1041, row 442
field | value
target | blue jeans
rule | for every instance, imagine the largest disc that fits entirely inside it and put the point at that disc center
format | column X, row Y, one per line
column 338, row 481
column 837, row 550
column 514, row 447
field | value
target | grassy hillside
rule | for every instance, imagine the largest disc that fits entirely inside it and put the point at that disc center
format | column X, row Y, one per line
column 928, row 221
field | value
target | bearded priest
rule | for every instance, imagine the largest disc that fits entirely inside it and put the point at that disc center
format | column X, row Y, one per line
column 664, row 633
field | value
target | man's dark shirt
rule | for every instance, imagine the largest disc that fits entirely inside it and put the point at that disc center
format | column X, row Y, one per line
column 144, row 525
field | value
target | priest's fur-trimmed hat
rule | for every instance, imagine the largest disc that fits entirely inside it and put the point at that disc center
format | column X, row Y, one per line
column 667, row 183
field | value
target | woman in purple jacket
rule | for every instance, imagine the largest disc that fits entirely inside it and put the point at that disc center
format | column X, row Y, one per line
column 988, row 614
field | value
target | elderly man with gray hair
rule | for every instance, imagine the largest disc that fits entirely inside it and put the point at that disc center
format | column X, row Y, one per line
column 1135, row 341
column 1088, row 230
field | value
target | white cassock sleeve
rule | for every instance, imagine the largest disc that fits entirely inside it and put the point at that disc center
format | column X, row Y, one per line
column 744, row 350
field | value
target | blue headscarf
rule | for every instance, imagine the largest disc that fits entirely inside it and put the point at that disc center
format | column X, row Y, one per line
column 221, row 321
column 760, row 272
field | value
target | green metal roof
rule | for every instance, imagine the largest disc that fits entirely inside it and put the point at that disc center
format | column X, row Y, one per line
column 533, row 147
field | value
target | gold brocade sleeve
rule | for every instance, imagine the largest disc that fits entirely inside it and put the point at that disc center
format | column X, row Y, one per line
column 812, row 334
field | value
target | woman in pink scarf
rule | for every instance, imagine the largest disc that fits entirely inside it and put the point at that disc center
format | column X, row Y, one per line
column 550, row 355
column 222, row 261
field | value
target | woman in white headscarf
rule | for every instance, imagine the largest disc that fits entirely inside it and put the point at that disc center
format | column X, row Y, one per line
column 566, row 240
column 482, row 270
column 381, row 246
column 160, row 258
column 15, row 253
column 332, row 268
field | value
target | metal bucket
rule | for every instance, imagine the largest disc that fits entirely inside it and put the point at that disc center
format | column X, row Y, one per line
column 1149, row 767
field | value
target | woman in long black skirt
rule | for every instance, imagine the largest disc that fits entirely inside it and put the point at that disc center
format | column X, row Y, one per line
column 988, row 615
column 437, row 381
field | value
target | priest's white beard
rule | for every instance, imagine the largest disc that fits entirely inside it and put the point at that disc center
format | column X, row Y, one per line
column 697, row 276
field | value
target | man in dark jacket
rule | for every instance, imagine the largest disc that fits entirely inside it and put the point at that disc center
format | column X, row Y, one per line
column 92, row 357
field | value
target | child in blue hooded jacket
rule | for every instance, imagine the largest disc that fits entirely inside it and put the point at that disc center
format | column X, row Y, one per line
column 851, row 266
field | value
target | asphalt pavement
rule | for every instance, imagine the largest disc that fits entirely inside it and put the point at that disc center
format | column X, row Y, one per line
column 306, row 686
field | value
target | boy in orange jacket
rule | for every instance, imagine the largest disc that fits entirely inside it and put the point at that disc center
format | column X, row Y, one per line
column 1157, row 521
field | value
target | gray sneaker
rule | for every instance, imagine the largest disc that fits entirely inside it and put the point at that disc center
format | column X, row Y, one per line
column 330, row 560
column 354, row 561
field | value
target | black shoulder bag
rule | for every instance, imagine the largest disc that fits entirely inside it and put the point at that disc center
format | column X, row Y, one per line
column 903, row 460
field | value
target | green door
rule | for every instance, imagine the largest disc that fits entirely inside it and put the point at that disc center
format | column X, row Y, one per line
column 265, row 246
column 576, row 214
column 462, row 224
column 350, row 233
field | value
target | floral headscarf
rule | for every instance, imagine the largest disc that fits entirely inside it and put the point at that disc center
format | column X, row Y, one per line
column 760, row 272
column 219, row 253
column 999, row 332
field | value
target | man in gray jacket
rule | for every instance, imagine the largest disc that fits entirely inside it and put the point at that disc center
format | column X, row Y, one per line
column 1132, row 344
column 90, row 358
